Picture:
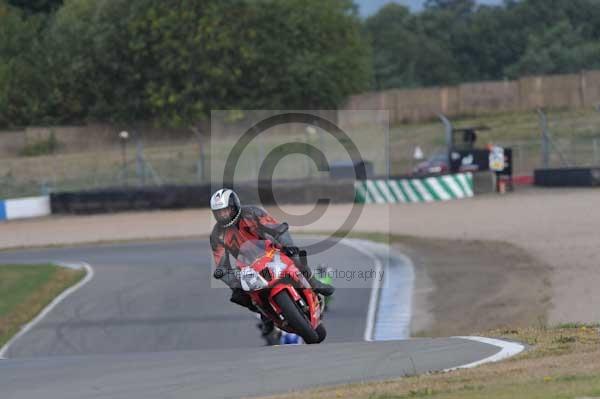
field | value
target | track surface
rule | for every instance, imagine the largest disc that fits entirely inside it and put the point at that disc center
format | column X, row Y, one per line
column 229, row 373
column 157, row 296
column 148, row 325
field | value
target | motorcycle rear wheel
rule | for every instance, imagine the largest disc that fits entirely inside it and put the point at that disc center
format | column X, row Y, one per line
column 296, row 318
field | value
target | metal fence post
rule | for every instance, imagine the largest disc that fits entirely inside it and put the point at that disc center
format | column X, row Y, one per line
column 201, row 163
column 140, row 165
column 545, row 139
column 519, row 148
column 387, row 153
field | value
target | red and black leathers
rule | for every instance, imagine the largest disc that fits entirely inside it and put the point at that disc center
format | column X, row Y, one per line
column 253, row 224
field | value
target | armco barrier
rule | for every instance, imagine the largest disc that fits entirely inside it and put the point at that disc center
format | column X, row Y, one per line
column 22, row 208
column 284, row 192
column 415, row 190
column 128, row 199
column 179, row 197
column 567, row 177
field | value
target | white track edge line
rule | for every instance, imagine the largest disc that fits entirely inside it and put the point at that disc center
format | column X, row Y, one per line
column 24, row 329
column 507, row 349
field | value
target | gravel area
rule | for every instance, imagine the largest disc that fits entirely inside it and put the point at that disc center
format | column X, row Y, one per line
column 465, row 287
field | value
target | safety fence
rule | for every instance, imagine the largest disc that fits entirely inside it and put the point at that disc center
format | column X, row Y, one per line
column 418, row 190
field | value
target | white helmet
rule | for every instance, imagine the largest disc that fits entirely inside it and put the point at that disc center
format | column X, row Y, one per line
column 226, row 208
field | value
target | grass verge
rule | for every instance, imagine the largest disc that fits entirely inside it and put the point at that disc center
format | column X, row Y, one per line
column 26, row 289
column 561, row 363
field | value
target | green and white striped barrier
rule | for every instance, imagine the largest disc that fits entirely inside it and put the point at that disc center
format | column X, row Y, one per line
column 429, row 189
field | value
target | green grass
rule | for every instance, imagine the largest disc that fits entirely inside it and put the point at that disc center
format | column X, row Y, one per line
column 17, row 282
column 26, row 289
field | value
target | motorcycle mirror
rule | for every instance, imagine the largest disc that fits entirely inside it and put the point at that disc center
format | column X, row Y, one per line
column 279, row 231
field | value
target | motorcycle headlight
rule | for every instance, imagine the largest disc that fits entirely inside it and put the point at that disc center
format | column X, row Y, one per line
column 251, row 280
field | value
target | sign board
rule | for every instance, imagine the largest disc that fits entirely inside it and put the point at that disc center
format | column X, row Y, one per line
column 480, row 160
column 497, row 163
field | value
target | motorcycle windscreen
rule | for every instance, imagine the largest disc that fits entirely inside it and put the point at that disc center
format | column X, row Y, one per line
column 251, row 250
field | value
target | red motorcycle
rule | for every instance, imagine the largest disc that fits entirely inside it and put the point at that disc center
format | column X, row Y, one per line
column 280, row 291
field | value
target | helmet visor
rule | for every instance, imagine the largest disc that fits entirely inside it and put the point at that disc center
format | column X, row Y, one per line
column 224, row 215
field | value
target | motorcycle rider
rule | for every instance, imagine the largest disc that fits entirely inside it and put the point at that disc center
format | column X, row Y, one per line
column 237, row 224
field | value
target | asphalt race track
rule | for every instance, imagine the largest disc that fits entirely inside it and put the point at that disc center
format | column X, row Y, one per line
column 149, row 325
column 229, row 373
column 157, row 296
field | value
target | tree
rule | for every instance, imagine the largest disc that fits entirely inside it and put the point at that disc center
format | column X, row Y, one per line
column 36, row 6
column 404, row 54
column 456, row 6
column 561, row 49
column 485, row 43
column 318, row 58
column 22, row 83
column 174, row 62
column 88, row 62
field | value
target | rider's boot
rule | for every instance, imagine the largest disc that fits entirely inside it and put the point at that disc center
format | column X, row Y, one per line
column 320, row 287
column 266, row 326
column 240, row 297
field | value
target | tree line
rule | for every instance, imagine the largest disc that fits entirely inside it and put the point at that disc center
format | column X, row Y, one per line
column 455, row 41
column 171, row 62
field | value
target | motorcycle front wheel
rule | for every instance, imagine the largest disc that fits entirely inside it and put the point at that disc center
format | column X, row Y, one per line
column 295, row 318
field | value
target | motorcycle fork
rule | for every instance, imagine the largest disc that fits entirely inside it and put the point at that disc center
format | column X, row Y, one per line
column 268, row 311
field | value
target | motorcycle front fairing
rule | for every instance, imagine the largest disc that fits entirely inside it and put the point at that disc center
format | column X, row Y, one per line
column 265, row 267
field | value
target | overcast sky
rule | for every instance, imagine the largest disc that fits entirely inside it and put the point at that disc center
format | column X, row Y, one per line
column 368, row 7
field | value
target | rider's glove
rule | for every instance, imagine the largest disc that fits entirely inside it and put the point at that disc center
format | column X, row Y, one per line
column 291, row 251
